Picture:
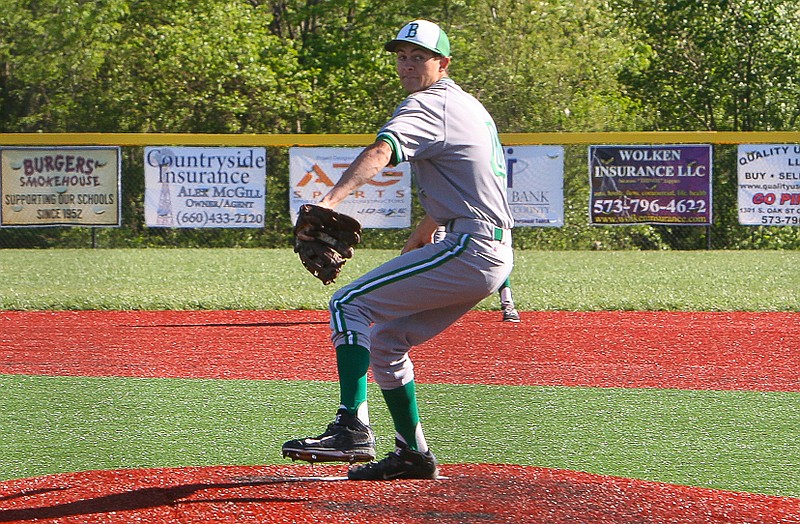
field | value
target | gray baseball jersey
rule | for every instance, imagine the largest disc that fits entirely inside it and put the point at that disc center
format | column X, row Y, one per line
column 455, row 153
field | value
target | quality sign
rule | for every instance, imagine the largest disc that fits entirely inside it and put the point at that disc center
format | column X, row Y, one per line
column 769, row 184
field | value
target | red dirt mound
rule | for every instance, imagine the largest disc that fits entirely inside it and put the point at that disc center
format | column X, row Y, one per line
column 305, row 494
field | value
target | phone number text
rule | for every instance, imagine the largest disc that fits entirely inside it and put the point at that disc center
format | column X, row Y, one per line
column 643, row 205
column 772, row 220
column 206, row 219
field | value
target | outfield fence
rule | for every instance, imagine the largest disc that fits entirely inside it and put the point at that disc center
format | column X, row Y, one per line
column 724, row 232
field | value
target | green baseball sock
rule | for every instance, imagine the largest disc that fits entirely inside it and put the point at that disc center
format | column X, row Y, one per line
column 402, row 404
column 352, row 362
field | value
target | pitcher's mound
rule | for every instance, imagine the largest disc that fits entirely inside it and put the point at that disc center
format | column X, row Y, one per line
column 314, row 494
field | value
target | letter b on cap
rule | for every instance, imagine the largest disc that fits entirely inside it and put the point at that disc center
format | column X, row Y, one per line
column 412, row 30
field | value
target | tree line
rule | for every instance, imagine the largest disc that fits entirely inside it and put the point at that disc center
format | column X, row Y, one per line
column 318, row 66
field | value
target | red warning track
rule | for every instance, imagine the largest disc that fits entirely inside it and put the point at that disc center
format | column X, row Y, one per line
column 735, row 351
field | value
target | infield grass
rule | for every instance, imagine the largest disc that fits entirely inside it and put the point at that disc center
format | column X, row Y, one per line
column 265, row 279
column 741, row 441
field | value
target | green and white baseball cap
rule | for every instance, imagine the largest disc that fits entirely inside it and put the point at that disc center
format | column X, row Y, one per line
column 424, row 34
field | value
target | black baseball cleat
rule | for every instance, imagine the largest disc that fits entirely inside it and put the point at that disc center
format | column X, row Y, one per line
column 347, row 439
column 402, row 463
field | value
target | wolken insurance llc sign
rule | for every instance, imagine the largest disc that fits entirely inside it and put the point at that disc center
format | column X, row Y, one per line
column 649, row 184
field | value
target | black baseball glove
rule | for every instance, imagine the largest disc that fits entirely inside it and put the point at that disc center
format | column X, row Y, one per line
column 324, row 240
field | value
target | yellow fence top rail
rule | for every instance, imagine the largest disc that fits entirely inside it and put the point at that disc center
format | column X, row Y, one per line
column 283, row 140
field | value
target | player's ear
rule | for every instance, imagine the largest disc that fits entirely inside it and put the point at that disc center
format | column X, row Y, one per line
column 444, row 63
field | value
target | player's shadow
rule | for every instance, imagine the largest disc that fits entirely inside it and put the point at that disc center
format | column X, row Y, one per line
column 232, row 325
column 31, row 492
column 139, row 499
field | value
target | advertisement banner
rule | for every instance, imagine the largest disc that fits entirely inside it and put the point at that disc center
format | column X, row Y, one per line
column 55, row 186
column 205, row 186
column 650, row 184
column 536, row 185
column 383, row 202
column 769, row 184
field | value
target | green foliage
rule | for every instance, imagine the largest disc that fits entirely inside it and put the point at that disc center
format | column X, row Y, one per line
column 209, row 66
column 545, row 66
column 716, row 65
column 342, row 42
column 269, row 66
column 51, row 51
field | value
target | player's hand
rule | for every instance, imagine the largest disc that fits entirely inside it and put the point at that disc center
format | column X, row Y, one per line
column 417, row 239
column 422, row 235
column 412, row 244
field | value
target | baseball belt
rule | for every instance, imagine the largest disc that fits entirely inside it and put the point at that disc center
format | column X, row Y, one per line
column 479, row 228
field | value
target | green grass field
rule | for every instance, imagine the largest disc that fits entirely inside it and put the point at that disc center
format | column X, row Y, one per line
column 274, row 279
column 743, row 441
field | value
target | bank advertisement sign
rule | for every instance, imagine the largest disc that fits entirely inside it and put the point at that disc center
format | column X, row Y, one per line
column 55, row 186
column 205, row 186
column 536, row 185
column 383, row 202
column 650, row 184
column 769, row 184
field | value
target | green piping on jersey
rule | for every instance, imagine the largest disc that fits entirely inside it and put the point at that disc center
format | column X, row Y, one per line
column 397, row 151
column 339, row 323
column 498, row 158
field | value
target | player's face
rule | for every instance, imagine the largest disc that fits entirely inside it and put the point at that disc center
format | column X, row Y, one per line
column 419, row 68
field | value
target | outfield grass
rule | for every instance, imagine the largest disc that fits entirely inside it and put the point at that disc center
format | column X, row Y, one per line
column 744, row 441
column 274, row 279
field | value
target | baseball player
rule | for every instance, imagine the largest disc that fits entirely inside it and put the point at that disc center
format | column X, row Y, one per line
column 459, row 171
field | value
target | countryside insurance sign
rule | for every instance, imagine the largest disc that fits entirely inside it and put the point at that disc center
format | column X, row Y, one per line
column 208, row 187
column 650, row 184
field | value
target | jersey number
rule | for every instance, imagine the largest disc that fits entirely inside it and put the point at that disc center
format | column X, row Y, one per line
column 498, row 159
